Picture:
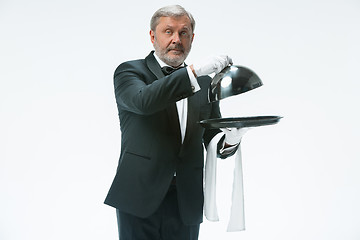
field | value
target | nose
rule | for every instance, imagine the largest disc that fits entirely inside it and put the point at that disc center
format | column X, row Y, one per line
column 176, row 38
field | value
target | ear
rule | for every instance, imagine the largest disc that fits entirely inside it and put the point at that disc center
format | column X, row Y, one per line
column 152, row 36
column 192, row 38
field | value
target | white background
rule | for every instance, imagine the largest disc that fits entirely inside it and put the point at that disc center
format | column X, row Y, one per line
column 59, row 131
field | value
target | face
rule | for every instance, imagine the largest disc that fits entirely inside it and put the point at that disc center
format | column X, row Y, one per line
column 172, row 39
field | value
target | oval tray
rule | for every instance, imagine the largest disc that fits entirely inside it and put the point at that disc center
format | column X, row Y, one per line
column 240, row 122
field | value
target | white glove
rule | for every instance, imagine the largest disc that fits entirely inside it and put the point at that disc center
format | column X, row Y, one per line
column 212, row 65
column 233, row 135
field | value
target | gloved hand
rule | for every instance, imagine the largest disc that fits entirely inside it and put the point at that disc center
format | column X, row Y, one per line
column 211, row 65
column 233, row 135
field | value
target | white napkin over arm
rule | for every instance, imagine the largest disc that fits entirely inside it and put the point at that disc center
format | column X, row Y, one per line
column 237, row 219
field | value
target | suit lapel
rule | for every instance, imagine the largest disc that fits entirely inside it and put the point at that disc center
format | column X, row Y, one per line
column 154, row 66
column 171, row 110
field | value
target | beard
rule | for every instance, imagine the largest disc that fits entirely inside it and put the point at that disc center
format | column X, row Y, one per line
column 173, row 60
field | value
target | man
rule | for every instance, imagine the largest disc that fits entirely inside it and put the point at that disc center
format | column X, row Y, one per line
column 158, row 187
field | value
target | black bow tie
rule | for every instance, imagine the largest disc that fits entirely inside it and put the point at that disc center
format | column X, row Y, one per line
column 168, row 70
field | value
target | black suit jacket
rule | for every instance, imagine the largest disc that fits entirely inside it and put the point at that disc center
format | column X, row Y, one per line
column 151, row 148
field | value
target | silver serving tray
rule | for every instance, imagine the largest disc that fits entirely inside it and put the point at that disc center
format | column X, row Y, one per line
column 240, row 122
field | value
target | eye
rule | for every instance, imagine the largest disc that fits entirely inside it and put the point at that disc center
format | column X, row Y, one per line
column 168, row 31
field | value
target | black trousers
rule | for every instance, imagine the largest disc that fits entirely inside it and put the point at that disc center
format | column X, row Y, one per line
column 164, row 224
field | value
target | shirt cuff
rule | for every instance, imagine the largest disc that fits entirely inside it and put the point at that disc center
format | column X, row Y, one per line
column 193, row 81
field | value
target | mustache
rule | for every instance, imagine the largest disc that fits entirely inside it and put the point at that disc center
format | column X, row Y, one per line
column 176, row 47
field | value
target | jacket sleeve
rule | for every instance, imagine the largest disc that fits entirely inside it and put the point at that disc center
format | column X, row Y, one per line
column 139, row 92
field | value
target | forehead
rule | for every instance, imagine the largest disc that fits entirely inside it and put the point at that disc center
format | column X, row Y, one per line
column 174, row 22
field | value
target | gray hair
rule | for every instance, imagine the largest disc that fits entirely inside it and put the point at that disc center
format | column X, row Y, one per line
column 171, row 11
